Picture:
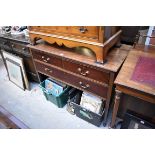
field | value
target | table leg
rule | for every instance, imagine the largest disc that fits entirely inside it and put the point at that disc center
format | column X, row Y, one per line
column 116, row 105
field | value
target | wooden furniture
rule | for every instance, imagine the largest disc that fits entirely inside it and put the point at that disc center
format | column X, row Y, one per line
column 125, row 85
column 8, row 121
column 79, row 71
column 17, row 45
column 97, row 38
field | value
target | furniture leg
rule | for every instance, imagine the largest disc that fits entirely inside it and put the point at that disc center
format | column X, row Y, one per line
column 116, row 105
column 112, row 76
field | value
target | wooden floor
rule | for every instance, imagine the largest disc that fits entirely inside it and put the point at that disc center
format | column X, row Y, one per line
column 8, row 121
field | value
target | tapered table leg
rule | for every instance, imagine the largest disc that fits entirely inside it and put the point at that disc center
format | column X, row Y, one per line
column 116, row 105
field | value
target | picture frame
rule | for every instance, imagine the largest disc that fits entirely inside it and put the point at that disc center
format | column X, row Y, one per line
column 18, row 60
column 15, row 73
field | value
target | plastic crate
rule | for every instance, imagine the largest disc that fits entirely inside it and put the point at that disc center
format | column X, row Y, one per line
column 61, row 100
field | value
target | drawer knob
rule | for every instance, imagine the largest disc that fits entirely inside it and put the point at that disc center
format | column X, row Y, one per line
column 82, row 29
column 47, row 69
column 44, row 60
column 83, row 73
column 84, row 86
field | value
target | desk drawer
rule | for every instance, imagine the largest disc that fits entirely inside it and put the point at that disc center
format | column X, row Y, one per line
column 86, row 85
column 86, row 71
column 19, row 47
column 48, row 70
column 47, row 58
column 152, row 41
column 4, row 44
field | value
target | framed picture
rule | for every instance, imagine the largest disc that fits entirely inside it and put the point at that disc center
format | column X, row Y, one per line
column 15, row 73
column 20, row 62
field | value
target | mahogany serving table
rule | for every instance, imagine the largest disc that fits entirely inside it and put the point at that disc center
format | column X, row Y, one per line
column 80, row 71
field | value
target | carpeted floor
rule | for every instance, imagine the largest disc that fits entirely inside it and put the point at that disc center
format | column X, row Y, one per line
column 32, row 108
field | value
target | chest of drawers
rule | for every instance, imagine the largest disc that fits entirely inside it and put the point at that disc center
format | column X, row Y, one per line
column 79, row 71
column 18, row 46
column 97, row 38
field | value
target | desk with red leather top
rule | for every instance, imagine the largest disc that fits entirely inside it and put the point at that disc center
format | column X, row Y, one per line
column 136, row 78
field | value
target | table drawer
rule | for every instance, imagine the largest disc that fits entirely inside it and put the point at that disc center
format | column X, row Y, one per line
column 47, row 58
column 86, row 71
column 19, row 47
column 4, row 44
column 86, row 85
column 48, row 70
column 152, row 41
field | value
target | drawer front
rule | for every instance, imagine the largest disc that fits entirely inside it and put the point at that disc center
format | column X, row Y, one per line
column 85, row 31
column 4, row 44
column 48, row 70
column 50, row 29
column 73, row 80
column 152, row 41
column 86, row 71
column 86, row 85
column 78, row 31
column 19, row 47
column 47, row 58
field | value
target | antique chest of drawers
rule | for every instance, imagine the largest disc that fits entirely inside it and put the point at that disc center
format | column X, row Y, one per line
column 97, row 38
column 79, row 71
column 18, row 46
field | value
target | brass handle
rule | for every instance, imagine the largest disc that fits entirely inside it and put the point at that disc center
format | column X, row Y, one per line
column 45, row 60
column 83, row 73
column 47, row 69
column 83, row 29
column 85, row 87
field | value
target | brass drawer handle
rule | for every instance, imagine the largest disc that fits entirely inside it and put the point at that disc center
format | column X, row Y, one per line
column 45, row 60
column 85, row 87
column 47, row 69
column 82, row 29
column 83, row 73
